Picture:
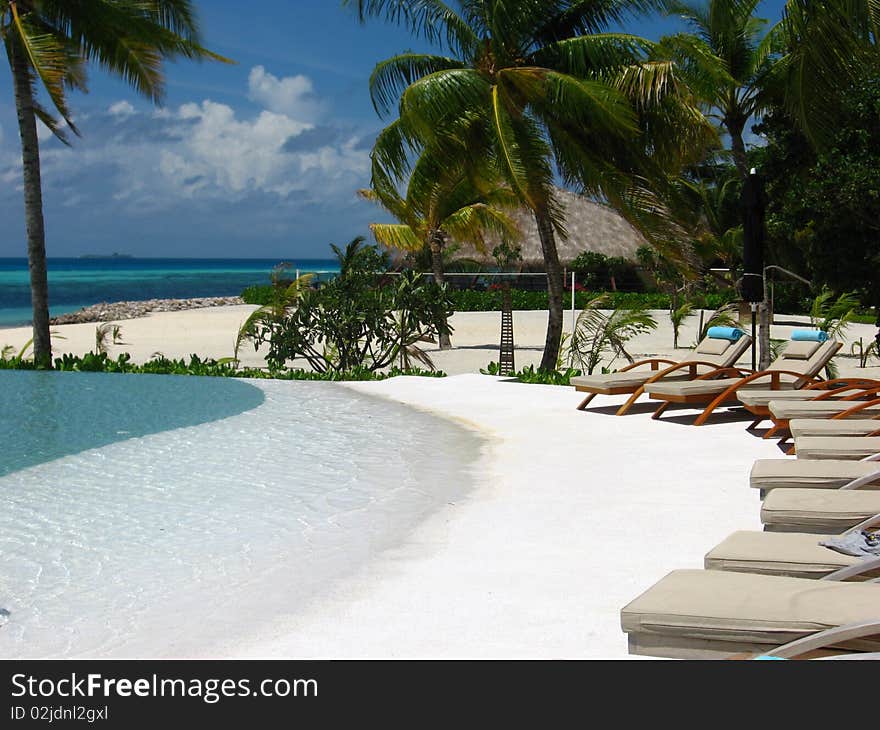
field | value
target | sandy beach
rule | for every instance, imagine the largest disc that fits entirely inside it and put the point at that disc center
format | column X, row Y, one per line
column 572, row 514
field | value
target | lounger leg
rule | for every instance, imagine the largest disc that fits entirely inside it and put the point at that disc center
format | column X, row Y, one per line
column 586, row 401
column 773, row 430
column 632, row 399
column 662, row 407
column 792, row 451
column 754, row 424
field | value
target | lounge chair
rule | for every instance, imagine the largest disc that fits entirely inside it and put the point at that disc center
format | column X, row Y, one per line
column 713, row 614
column 834, row 427
column 783, row 411
column 709, row 355
column 853, row 448
column 798, row 555
column 757, row 402
column 798, row 366
column 818, row 511
column 771, row 474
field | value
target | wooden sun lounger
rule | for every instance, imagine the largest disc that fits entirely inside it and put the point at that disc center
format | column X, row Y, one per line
column 718, row 390
column 798, row 555
column 633, row 378
column 713, row 614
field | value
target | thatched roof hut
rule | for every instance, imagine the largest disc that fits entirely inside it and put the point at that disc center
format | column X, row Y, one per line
column 591, row 227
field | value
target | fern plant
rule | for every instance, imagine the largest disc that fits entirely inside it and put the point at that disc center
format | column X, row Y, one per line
column 864, row 353
column 678, row 316
column 726, row 316
column 598, row 335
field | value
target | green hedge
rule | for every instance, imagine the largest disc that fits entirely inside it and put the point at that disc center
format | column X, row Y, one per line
column 100, row 363
column 490, row 301
column 468, row 300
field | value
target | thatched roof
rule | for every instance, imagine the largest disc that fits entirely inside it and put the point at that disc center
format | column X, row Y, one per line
column 591, row 227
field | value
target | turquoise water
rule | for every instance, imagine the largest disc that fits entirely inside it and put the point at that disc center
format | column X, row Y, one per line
column 76, row 283
column 47, row 415
column 169, row 516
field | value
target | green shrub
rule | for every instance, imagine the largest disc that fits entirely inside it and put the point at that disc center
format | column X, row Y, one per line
column 94, row 362
column 490, row 301
column 361, row 318
column 261, row 294
column 531, row 374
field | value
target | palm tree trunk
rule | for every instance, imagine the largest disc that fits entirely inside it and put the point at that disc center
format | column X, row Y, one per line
column 738, row 147
column 554, row 290
column 33, row 205
column 436, row 246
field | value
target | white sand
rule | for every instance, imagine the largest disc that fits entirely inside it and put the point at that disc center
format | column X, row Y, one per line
column 574, row 513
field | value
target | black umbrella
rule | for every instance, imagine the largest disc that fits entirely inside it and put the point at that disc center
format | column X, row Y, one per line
column 753, row 204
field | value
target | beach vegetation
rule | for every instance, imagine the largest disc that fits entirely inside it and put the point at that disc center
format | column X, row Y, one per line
column 534, row 86
column 725, row 316
column 48, row 45
column 602, row 335
column 107, row 334
column 865, row 352
column 536, row 376
column 101, row 362
column 446, row 199
column 362, row 318
column 677, row 318
column 728, row 59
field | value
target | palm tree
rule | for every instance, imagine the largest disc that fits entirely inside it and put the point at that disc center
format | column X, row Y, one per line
column 728, row 59
column 443, row 201
column 49, row 44
column 536, row 83
column 828, row 46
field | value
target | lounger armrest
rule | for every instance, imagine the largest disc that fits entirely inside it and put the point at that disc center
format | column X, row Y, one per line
column 872, row 457
column 865, row 565
column 863, row 393
column 827, row 638
column 860, row 406
column 689, row 365
column 654, row 362
column 865, row 524
column 862, row 481
column 860, row 389
column 721, row 372
column 843, row 384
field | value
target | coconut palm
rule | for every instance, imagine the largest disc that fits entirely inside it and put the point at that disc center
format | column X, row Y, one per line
column 828, row 46
column 443, row 201
column 537, row 83
column 49, row 43
column 728, row 58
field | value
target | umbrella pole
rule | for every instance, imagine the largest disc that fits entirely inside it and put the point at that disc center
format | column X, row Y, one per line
column 754, row 307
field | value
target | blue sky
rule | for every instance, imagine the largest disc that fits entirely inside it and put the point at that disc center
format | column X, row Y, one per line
column 259, row 159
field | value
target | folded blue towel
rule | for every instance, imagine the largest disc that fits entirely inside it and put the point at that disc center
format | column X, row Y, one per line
column 809, row 336
column 725, row 333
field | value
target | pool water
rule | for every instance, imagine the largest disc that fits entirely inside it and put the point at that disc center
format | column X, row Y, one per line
column 162, row 516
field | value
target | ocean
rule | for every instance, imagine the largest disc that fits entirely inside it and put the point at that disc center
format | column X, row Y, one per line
column 80, row 282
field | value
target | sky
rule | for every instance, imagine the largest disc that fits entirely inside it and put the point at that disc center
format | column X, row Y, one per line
column 259, row 159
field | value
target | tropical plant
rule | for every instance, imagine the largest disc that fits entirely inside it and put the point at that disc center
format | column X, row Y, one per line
column 677, row 318
column 363, row 318
column 728, row 59
column 48, row 44
column 531, row 84
column 598, row 335
column 282, row 296
column 107, row 334
column 828, row 46
column 445, row 200
column 833, row 315
column 725, row 316
column 864, row 353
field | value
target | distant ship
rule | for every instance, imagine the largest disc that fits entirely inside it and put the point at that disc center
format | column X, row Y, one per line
column 111, row 256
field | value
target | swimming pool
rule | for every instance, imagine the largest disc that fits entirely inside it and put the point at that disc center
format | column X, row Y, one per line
column 150, row 515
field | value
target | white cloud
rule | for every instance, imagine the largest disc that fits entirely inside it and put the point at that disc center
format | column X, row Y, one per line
column 121, row 109
column 209, row 152
column 292, row 95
